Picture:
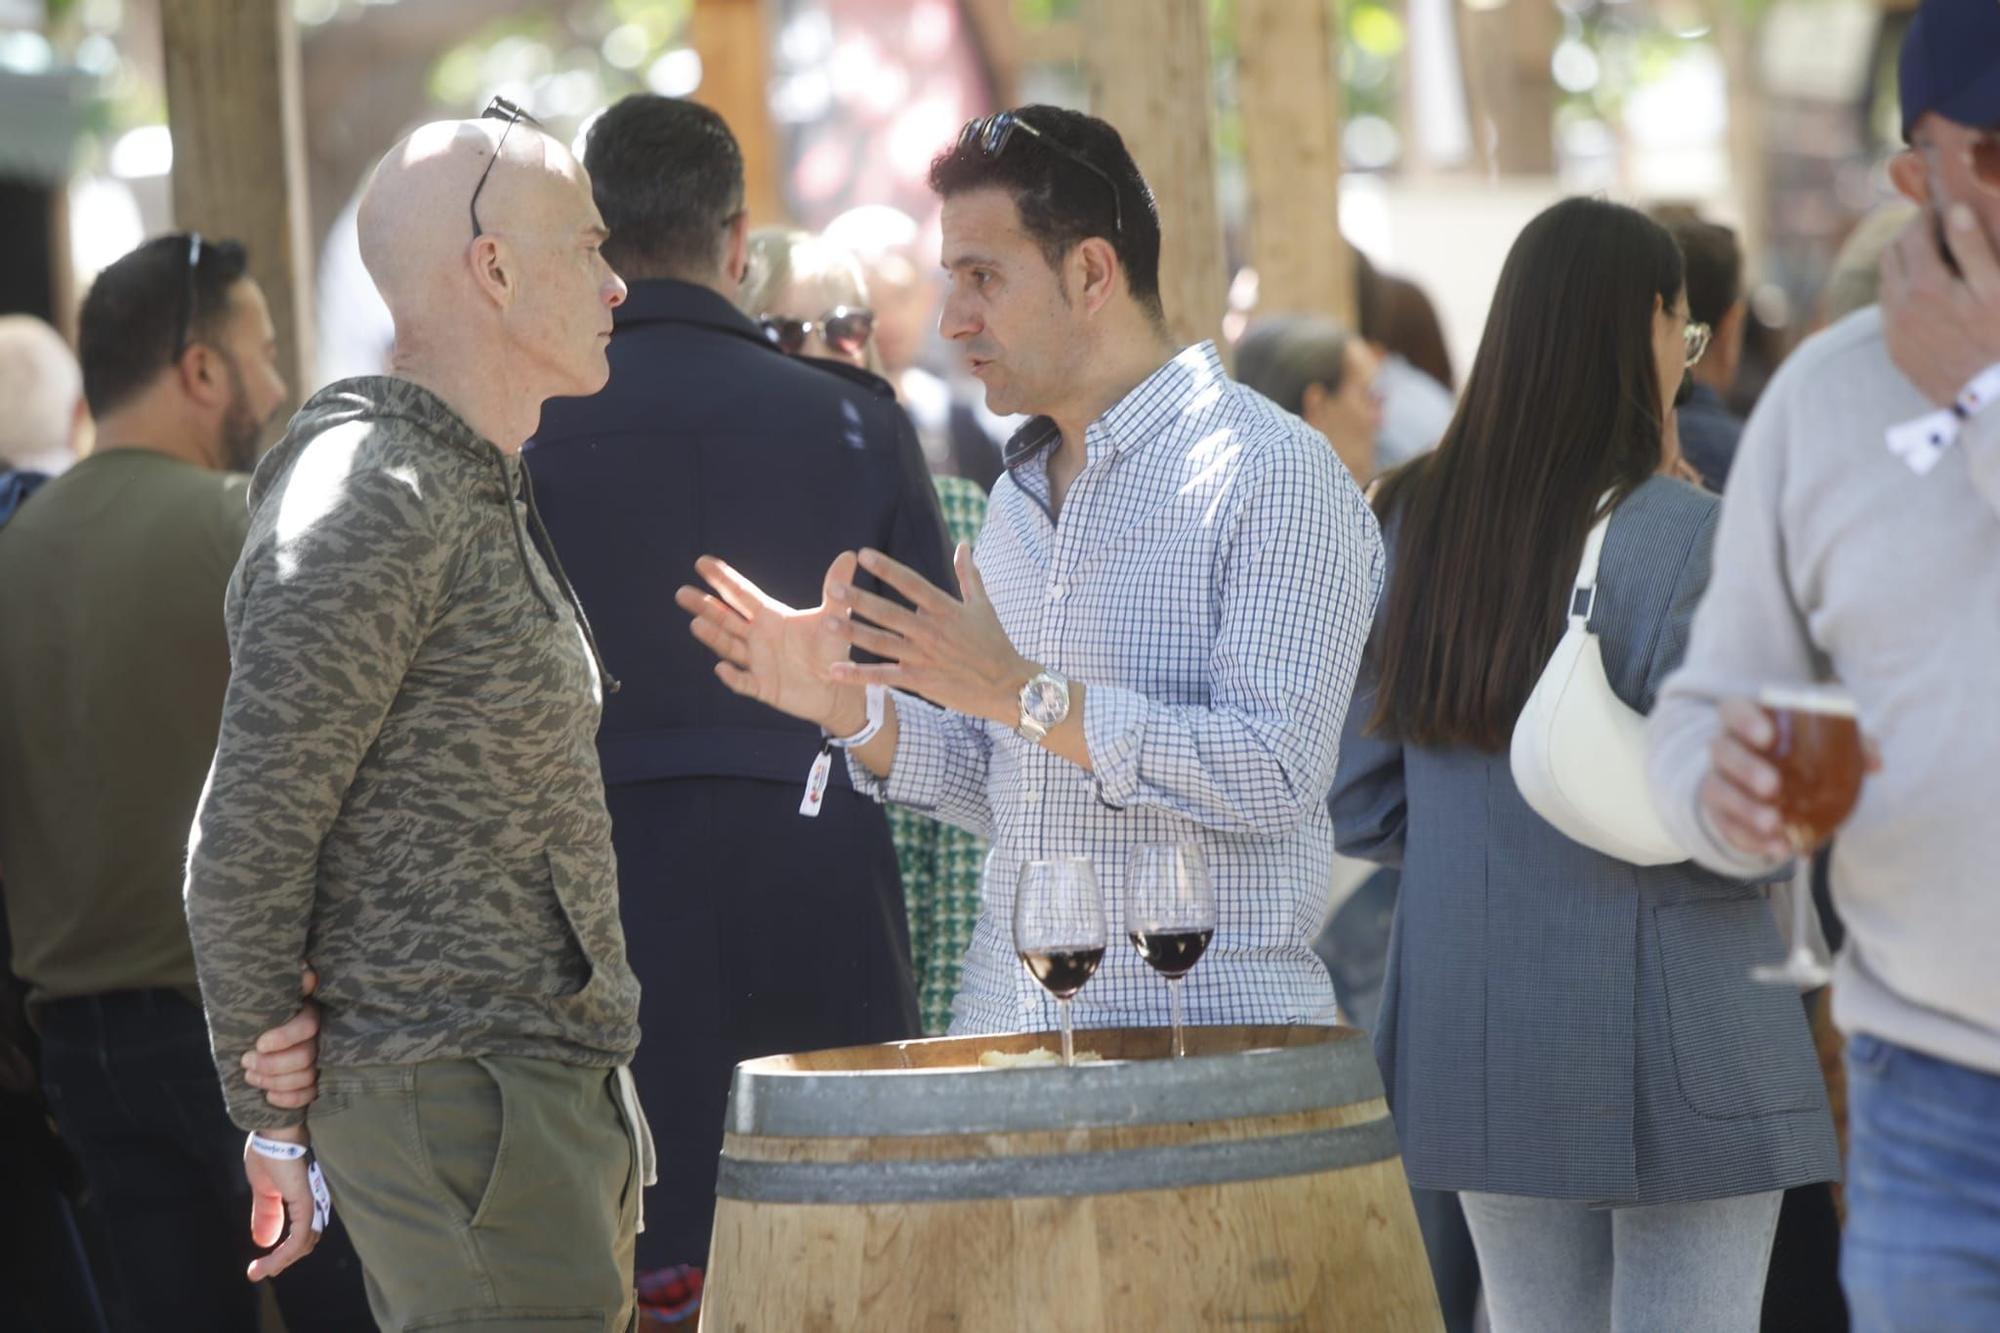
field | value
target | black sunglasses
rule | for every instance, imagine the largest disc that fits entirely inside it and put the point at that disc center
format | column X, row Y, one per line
column 846, row 329
column 497, row 109
column 186, row 332
column 992, row 134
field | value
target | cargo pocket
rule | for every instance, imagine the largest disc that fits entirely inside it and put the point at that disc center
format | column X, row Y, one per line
column 1740, row 1049
column 461, row 1113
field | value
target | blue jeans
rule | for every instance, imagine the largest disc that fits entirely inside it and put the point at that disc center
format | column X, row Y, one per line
column 1922, row 1250
column 136, row 1097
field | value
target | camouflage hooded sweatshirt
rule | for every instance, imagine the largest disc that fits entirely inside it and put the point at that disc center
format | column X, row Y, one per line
column 406, row 790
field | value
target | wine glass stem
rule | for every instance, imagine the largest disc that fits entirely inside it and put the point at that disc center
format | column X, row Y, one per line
column 1802, row 906
column 1068, row 1036
column 1180, row 1033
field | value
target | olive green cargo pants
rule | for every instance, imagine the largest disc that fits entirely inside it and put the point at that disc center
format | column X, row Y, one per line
column 497, row 1193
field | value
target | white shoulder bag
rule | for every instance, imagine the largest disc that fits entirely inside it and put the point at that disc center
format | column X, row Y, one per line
column 1579, row 751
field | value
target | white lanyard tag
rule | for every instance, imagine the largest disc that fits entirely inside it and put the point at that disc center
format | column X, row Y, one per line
column 1922, row 442
column 816, row 780
column 322, row 1201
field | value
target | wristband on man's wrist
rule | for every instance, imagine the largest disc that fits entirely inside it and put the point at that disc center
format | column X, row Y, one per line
column 822, row 765
column 277, row 1149
column 1921, row 442
column 878, row 711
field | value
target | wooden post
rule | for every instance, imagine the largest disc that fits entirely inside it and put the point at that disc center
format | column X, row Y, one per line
column 1150, row 78
column 735, row 84
column 1736, row 34
column 232, row 75
column 1287, row 55
column 1505, row 49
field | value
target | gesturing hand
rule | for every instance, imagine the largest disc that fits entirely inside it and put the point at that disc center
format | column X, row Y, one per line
column 774, row 653
column 951, row 650
column 1942, row 328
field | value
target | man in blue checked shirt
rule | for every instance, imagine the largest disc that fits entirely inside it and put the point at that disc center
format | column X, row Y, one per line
column 1157, row 637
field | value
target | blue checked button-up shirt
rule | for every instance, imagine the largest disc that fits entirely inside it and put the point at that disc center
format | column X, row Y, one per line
column 1211, row 584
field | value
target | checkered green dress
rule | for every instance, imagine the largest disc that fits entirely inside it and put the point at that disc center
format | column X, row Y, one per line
column 940, row 864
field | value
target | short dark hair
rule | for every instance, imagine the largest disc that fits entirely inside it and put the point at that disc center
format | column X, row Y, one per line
column 136, row 310
column 1714, row 262
column 1061, row 202
column 668, row 178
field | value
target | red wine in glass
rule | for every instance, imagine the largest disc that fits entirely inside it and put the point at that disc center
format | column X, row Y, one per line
column 1172, row 953
column 1170, row 916
column 1062, row 972
column 1059, row 931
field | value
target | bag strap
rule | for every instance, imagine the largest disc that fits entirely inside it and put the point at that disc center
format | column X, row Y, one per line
column 1584, row 598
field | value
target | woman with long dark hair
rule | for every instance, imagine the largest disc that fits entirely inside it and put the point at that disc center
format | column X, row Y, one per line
column 1571, row 1041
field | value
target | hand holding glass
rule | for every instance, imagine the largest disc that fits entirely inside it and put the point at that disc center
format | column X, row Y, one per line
column 1816, row 748
column 1059, row 931
column 1170, row 915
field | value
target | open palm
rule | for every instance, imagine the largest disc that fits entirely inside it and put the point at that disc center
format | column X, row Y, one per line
column 773, row 653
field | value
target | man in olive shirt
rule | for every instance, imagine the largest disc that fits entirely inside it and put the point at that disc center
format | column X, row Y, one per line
column 112, row 669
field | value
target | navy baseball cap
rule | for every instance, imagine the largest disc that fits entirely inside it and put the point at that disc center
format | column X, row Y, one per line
column 1951, row 64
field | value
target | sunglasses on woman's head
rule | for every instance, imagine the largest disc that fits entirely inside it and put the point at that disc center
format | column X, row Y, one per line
column 845, row 328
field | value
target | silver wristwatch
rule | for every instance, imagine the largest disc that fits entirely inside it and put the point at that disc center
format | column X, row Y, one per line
column 1044, row 704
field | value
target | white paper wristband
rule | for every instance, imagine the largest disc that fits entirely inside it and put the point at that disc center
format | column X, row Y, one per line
column 878, row 713
column 1980, row 392
column 1922, row 442
column 277, row 1149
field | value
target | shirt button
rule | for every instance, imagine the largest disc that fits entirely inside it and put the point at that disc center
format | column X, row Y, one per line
column 1032, row 795
column 1056, row 591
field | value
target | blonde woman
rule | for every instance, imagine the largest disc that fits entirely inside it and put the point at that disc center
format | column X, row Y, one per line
column 810, row 297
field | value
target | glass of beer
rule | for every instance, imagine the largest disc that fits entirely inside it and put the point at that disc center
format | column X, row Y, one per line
column 1816, row 748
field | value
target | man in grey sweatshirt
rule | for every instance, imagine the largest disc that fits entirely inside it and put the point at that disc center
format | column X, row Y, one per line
column 1860, row 541
column 406, row 789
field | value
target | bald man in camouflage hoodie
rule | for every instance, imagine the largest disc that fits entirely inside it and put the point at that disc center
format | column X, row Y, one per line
column 406, row 790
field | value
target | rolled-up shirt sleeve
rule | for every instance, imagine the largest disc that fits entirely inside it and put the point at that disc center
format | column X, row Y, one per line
column 940, row 767
column 1300, row 575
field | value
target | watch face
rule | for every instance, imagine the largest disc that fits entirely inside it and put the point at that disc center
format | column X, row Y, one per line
column 1044, row 701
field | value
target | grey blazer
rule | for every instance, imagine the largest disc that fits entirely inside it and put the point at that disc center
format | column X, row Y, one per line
column 1555, row 1022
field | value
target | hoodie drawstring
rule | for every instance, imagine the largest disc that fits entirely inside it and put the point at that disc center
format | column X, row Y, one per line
column 548, row 549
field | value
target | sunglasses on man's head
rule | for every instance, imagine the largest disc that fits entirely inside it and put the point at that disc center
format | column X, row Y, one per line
column 497, row 109
column 186, row 334
column 992, row 134
column 845, row 328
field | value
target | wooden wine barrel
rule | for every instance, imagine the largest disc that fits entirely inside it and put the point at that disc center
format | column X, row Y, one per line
column 1254, row 1185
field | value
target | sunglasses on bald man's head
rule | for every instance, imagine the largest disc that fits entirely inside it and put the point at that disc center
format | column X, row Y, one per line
column 497, row 109
column 846, row 329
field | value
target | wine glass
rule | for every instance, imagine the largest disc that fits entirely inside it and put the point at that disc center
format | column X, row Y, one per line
column 1170, row 915
column 1059, row 931
column 1816, row 748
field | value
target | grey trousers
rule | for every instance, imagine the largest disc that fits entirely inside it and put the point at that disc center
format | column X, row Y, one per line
column 1551, row 1266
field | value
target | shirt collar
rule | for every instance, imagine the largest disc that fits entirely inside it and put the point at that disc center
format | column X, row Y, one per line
column 1188, row 379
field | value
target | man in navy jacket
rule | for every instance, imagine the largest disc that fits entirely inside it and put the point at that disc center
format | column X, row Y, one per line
column 753, row 929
